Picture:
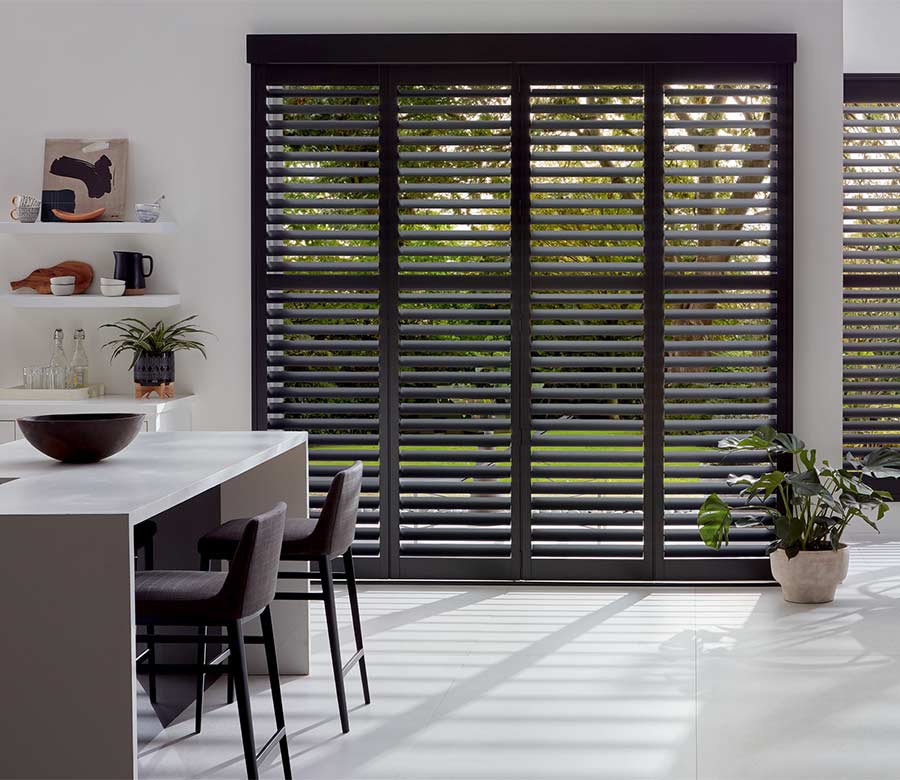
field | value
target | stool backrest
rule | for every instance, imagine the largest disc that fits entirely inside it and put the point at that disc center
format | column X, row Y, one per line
column 253, row 572
column 337, row 520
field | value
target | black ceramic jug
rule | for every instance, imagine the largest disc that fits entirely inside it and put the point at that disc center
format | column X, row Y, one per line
column 130, row 269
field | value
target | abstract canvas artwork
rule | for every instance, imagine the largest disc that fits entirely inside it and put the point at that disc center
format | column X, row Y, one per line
column 84, row 175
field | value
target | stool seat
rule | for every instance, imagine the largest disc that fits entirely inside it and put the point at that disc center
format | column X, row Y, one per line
column 221, row 542
column 179, row 596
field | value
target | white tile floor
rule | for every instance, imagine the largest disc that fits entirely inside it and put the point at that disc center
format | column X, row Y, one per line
column 532, row 683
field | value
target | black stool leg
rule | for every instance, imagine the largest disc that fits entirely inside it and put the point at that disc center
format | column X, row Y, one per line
column 357, row 624
column 334, row 641
column 239, row 671
column 201, row 662
column 151, row 656
column 265, row 620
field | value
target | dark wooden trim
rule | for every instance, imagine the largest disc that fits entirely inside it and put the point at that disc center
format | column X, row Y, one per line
column 784, row 247
column 654, row 325
column 864, row 87
column 522, row 48
column 520, row 338
column 258, row 282
column 389, row 326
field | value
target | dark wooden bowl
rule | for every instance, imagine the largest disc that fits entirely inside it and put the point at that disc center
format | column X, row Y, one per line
column 81, row 438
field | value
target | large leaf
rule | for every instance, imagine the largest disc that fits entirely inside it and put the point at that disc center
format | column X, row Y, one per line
column 787, row 442
column 714, row 520
column 760, row 439
column 807, row 458
column 883, row 462
column 806, row 483
column 789, row 530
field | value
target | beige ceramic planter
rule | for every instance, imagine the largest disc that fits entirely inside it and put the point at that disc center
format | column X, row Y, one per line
column 810, row 577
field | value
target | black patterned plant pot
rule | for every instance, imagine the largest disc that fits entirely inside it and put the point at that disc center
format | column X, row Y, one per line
column 155, row 372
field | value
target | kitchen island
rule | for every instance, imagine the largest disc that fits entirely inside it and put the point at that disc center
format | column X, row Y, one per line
column 67, row 677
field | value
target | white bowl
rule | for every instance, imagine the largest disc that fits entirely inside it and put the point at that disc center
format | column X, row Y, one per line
column 62, row 280
column 62, row 289
column 111, row 282
column 111, row 291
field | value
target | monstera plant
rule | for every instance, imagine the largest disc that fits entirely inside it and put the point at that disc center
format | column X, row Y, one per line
column 808, row 505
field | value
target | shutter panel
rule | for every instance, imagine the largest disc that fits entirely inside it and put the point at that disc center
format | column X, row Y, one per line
column 454, row 327
column 587, row 351
column 720, row 332
column 871, row 276
column 322, row 283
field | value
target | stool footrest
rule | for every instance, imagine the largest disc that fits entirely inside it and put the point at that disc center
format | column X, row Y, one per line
column 354, row 660
column 185, row 668
column 181, row 639
column 272, row 741
column 309, row 596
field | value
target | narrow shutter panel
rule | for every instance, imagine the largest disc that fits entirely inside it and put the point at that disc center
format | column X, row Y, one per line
column 871, row 275
column 587, row 361
column 454, row 323
column 720, row 331
column 322, row 281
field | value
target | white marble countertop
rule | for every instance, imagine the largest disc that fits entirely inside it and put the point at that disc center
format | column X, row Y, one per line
column 12, row 408
column 154, row 473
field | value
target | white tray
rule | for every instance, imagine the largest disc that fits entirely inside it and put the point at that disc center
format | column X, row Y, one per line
column 21, row 393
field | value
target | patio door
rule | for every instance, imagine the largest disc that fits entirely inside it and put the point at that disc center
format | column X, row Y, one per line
column 531, row 298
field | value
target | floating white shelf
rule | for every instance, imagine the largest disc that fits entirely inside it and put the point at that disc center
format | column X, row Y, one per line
column 85, row 301
column 85, row 228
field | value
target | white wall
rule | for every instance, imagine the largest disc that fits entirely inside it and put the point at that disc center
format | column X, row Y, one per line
column 870, row 36
column 172, row 78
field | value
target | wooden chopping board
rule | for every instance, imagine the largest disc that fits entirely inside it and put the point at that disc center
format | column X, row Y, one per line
column 39, row 279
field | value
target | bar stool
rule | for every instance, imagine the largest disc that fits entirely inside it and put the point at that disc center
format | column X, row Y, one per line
column 190, row 598
column 143, row 543
column 320, row 542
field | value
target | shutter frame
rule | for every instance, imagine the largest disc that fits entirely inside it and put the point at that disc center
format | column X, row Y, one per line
column 523, row 294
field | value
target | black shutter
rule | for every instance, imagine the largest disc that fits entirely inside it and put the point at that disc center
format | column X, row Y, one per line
column 322, row 281
column 721, row 263
column 454, row 157
column 532, row 298
column 871, row 267
column 587, row 329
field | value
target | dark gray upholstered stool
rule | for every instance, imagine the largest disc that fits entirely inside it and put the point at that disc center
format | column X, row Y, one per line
column 143, row 543
column 320, row 542
column 191, row 598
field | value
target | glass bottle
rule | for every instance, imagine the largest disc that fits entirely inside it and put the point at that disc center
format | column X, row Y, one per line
column 59, row 363
column 79, row 371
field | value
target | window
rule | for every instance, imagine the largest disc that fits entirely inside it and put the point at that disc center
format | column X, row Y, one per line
column 871, row 263
column 531, row 297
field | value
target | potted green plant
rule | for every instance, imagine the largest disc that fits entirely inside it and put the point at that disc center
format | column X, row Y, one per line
column 808, row 506
column 153, row 349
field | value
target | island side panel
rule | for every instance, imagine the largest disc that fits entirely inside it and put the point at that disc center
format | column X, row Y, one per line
column 283, row 478
column 67, row 654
